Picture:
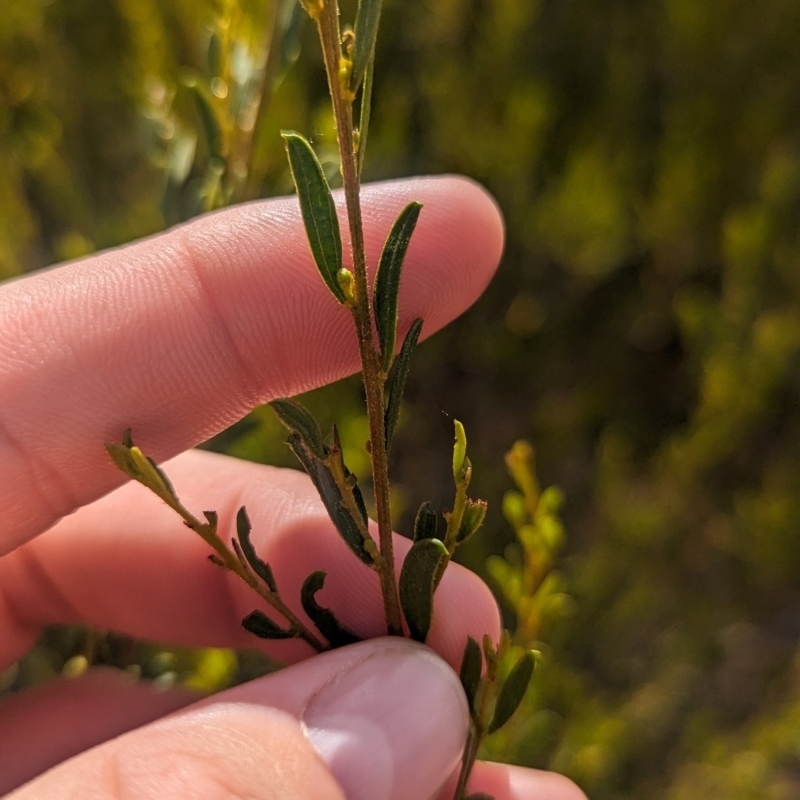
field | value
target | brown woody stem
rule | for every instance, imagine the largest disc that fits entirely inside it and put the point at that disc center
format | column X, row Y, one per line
column 328, row 28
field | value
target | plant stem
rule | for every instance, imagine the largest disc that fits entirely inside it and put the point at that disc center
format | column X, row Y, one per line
column 328, row 28
column 477, row 729
column 468, row 761
column 232, row 563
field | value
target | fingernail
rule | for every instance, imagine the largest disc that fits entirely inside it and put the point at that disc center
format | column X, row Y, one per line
column 392, row 727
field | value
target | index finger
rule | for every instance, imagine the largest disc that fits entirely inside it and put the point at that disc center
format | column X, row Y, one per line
column 181, row 335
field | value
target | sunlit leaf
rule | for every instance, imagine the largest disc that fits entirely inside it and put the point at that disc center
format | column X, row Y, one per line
column 366, row 32
column 459, row 453
column 337, row 634
column 135, row 464
column 387, row 280
column 416, row 585
column 318, row 210
column 298, row 419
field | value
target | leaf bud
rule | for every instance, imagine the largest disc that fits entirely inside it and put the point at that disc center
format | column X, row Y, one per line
column 346, row 281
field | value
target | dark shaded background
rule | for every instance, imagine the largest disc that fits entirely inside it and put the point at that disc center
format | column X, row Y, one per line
column 643, row 331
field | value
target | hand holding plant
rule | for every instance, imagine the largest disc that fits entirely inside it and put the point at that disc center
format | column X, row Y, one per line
column 335, row 611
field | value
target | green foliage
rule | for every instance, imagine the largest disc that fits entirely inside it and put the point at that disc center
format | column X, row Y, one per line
column 366, row 30
column 642, row 330
column 387, row 281
column 418, row 583
column 319, row 211
column 323, row 618
column 397, row 380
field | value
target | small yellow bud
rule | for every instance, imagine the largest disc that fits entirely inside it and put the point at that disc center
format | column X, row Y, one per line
column 346, row 282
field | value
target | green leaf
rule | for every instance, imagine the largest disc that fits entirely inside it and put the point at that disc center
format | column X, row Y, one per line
column 261, row 568
column 387, row 280
column 474, row 515
column 366, row 32
column 135, row 464
column 352, row 480
column 365, row 114
column 416, row 585
column 214, row 54
column 470, row 672
column 292, row 18
column 298, row 419
column 318, row 209
column 204, row 103
column 397, row 384
column 325, row 620
column 512, row 691
column 328, row 490
column 426, row 523
column 459, row 453
column 261, row 625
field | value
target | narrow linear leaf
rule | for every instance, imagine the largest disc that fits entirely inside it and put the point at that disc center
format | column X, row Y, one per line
column 416, row 585
column 292, row 17
column 325, row 483
column 318, row 210
column 397, row 383
column 337, row 634
column 470, row 672
column 459, row 453
column 214, row 54
column 212, row 129
column 366, row 32
column 365, row 114
column 261, row 625
column 260, row 567
column 358, row 497
column 512, row 691
column 474, row 515
column 298, row 419
column 426, row 523
column 387, row 280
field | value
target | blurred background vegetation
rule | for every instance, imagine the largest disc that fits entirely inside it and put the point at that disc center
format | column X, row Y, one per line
column 643, row 331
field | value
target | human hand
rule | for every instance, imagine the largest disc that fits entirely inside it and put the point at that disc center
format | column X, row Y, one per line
column 179, row 336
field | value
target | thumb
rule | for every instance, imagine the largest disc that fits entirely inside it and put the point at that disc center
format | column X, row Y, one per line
column 380, row 720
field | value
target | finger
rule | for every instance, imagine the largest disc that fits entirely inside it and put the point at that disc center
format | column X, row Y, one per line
column 506, row 782
column 181, row 335
column 127, row 563
column 49, row 724
column 383, row 719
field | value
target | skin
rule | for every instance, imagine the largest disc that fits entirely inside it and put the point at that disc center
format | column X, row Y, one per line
column 177, row 337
